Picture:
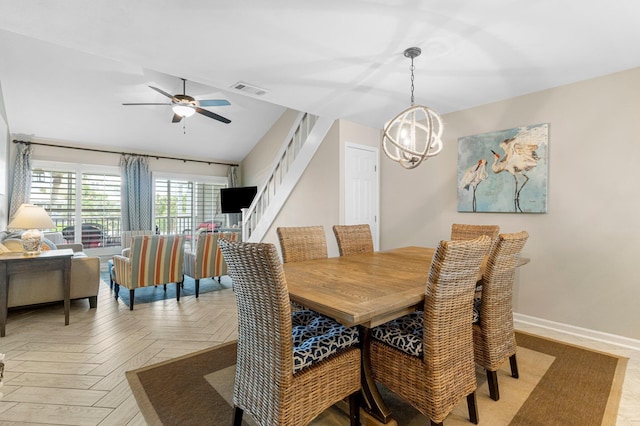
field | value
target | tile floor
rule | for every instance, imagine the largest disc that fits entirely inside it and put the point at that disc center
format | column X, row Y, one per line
column 74, row 375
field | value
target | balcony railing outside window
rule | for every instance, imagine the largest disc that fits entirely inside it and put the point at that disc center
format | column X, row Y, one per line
column 84, row 203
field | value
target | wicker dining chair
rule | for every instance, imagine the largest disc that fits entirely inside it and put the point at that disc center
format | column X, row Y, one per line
column 299, row 243
column 426, row 357
column 493, row 337
column 460, row 231
column 353, row 239
column 290, row 366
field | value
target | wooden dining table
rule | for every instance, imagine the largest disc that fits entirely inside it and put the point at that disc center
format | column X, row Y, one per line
column 364, row 290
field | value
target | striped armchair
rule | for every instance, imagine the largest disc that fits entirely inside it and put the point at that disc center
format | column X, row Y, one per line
column 125, row 242
column 207, row 261
column 125, row 239
column 153, row 260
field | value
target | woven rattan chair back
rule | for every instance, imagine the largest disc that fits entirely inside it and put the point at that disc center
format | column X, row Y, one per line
column 493, row 336
column 446, row 372
column 265, row 386
column 460, row 231
column 353, row 239
column 302, row 243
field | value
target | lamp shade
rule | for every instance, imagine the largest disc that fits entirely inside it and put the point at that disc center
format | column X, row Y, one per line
column 29, row 216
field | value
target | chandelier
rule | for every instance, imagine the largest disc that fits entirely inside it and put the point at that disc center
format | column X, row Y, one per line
column 414, row 134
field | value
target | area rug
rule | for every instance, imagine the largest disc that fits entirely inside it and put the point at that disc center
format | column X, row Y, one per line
column 559, row 384
column 154, row 294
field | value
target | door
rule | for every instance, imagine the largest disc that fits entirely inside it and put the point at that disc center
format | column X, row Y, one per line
column 361, row 188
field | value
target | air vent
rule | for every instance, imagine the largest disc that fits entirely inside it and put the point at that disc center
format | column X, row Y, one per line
column 249, row 88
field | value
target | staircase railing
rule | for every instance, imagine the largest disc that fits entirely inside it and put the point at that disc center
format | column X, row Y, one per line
column 303, row 140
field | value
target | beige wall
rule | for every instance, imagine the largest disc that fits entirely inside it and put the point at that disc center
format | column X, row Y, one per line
column 317, row 198
column 257, row 164
column 314, row 200
column 582, row 251
column 4, row 164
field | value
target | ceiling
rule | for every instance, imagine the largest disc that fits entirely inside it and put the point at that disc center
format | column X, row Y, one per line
column 66, row 67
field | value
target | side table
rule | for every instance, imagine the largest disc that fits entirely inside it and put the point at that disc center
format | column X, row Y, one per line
column 49, row 260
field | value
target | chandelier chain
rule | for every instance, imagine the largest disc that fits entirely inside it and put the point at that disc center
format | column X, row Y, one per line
column 412, row 68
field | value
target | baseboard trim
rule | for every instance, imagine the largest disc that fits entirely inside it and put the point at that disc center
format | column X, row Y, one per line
column 613, row 339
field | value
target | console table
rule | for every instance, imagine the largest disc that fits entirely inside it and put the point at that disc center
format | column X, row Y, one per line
column 49, row 260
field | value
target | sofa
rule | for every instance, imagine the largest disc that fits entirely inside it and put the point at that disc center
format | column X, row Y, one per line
column 44, row 287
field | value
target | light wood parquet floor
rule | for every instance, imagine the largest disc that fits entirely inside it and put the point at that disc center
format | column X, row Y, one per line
column 74, row 375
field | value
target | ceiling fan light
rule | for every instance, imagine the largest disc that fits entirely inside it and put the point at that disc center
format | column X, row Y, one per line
column 183, row 110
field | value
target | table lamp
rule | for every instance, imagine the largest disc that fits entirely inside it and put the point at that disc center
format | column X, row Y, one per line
column 32, row 219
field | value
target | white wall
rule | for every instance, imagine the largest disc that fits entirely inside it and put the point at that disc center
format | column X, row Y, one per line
column 583, row 251
column 39, row 152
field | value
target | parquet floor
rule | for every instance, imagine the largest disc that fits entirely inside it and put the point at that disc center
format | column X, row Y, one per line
column 74, row 375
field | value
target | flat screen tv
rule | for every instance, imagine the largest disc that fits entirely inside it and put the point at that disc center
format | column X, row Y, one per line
column 233, row 200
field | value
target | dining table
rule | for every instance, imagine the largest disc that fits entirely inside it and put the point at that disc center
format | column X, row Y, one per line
column 365, row 290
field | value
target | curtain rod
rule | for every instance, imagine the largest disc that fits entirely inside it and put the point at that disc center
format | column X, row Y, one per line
column 157, row 157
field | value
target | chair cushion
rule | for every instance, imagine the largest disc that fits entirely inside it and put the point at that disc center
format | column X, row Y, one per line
column 477, row 301
column 404, row 333
column 316, row 337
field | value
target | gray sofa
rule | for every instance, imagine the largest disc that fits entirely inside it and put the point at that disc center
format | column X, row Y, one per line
column 44, row 287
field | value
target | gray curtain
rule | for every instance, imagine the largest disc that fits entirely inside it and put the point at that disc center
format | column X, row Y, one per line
column 136, row 196
column 21, row 189
column 232, row 182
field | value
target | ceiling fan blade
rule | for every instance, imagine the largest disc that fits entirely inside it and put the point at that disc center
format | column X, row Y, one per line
column 213, row 102
column 162, row 92
column 176, row 118
column 146, row 103
column 213, row 115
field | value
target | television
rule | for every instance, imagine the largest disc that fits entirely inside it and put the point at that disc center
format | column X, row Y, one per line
column 233, row 200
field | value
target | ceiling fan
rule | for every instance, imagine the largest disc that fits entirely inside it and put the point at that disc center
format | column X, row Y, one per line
column 185, row 106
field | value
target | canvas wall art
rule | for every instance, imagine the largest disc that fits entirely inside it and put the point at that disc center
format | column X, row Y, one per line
column 504, row 171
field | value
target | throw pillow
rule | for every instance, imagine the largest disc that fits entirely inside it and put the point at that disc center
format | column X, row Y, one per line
column 47, row 244
column 15, row 244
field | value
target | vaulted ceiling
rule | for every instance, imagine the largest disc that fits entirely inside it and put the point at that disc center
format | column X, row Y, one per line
column 66, row 67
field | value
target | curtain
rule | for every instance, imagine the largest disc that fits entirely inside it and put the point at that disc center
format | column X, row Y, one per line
column 136, row 193
column 21, row 178
column 232, row 182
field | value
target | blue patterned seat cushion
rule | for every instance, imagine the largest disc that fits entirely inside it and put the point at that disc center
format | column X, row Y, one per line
column 316, row 337
column 404, row 333
column 477, row 301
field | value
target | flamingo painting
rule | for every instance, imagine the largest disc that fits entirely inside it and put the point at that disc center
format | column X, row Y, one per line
column 473, row 177
column 519, row 157
column 517, row 179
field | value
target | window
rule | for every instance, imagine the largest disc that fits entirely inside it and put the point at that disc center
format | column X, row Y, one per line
column 77, row 193
column 188, row 205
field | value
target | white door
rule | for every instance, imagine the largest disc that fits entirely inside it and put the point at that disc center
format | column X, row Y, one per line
column 361, row 187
